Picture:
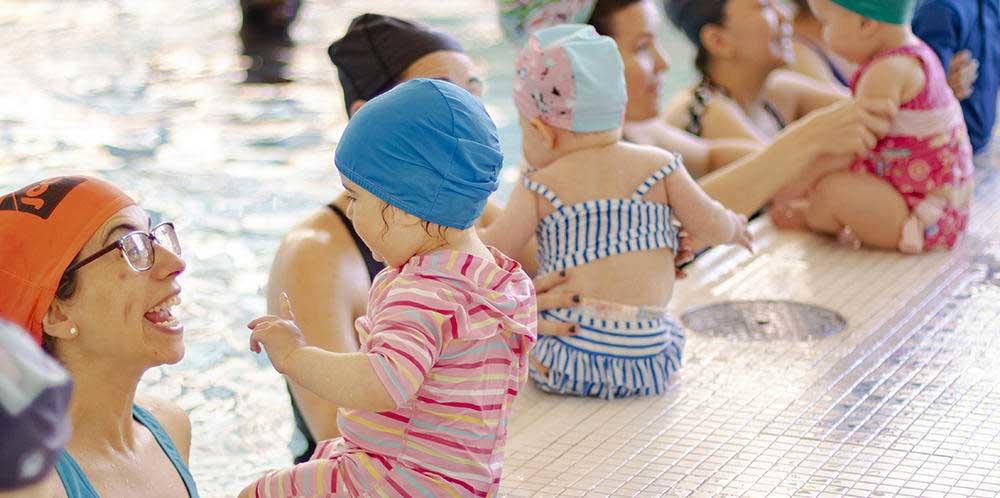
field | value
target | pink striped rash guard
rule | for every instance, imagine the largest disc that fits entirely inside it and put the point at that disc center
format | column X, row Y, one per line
column 448, row 335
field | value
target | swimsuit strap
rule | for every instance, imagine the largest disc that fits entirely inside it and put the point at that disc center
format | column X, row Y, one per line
column 74, row 481
column 657, row 176
column 373, row 266
column 543, row 191
column 167, row 445
column 778, row 118
column 702, row 96
column 77, row 485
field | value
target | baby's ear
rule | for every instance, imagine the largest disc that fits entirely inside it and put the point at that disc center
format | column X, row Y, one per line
column 548, row 133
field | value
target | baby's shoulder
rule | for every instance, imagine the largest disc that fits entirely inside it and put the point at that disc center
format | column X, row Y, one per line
column 644, row 159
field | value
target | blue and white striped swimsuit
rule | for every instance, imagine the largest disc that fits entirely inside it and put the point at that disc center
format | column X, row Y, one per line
column 612, row 355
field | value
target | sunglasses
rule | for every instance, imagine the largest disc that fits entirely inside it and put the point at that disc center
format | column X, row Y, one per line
column 137, row 248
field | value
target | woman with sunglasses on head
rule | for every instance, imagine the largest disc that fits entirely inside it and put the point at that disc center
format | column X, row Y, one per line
column 83, row 271
column 743, row 93
column 744, row 183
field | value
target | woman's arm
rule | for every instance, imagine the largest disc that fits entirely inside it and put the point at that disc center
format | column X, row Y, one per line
column 846, row 128
column 796, row 95
column 700, row 156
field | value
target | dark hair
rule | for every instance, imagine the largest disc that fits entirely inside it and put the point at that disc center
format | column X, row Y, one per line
column 442, row 230
column 66, row 289
column 604, row 11
column 690, row 16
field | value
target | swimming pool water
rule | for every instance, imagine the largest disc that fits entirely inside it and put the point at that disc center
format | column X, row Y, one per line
column 146, row 94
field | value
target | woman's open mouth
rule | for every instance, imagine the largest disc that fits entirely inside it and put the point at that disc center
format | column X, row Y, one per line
column 161, row 317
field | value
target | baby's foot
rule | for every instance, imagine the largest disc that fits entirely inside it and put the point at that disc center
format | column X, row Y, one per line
column 847, row 237
column 790, row 215
column 912, row 241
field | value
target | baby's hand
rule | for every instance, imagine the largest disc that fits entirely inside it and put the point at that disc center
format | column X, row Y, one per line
column 741, row 233
column 279, row 335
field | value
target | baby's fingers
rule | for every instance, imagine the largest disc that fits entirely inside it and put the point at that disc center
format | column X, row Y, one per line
column 286, row 308
column 262, row 320
column 255, row 344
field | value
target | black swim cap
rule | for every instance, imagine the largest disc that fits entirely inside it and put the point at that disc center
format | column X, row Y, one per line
column 376, row 49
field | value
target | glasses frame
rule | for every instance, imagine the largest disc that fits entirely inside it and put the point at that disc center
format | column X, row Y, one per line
column 120, row 245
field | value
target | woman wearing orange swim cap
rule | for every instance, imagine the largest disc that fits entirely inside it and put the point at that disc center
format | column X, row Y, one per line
column 83, row 271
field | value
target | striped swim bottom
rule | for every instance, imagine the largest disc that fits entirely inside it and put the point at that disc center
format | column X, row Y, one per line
column 617, row 352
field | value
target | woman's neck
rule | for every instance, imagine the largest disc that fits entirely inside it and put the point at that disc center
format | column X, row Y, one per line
column 808, row 27
column 101, row 407
column 743, row 84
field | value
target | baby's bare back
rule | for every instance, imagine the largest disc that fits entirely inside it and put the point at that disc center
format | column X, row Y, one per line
column 614, row 172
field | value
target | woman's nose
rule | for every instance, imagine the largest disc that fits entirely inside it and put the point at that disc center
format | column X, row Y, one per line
column 167, row 264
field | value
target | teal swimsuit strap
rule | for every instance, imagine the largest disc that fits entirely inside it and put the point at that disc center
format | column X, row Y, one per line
column 77, row 485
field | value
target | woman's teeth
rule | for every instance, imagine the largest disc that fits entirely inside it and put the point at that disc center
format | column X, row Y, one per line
column 160, row 315
column 166, row 305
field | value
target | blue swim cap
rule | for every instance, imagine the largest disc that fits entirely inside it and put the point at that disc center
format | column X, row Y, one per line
column 427, row 147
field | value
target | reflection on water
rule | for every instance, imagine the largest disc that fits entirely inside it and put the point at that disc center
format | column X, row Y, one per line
column 145, row 93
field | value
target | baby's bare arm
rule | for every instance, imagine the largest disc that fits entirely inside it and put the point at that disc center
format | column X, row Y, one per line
column 708, row 221
column 513, row 228
column 898, row 79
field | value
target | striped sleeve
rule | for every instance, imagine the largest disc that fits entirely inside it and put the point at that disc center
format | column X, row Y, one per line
column 406, row 341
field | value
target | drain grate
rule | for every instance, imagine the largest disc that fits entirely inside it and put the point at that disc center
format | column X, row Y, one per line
column 764, row 321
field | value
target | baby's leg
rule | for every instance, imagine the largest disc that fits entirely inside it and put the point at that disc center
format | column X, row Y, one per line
column 789, row 205
column 871, row 207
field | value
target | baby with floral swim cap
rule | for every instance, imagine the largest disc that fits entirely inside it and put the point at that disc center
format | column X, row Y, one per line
column 603, row 210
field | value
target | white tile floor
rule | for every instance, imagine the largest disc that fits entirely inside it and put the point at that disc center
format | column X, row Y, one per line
column 905, row 401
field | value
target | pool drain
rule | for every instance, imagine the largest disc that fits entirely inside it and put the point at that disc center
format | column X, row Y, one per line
column 764, row 321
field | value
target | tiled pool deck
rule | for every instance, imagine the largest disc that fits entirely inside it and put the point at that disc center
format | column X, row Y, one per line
column 905, row 401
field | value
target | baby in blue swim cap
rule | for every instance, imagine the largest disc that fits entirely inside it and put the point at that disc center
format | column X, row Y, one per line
column 450, row 321
column 603, row 210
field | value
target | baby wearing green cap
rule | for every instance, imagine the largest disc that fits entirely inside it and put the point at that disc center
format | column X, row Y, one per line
column 912, row 191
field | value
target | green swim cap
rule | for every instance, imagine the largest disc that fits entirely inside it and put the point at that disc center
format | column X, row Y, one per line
column 887, row 11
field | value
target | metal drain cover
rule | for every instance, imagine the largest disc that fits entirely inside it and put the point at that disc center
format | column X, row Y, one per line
column 764, row 321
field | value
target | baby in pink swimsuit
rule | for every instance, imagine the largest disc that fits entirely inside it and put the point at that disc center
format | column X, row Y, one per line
column 913, row 190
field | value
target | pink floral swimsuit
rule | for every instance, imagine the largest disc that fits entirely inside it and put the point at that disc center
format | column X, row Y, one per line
column 927, row 157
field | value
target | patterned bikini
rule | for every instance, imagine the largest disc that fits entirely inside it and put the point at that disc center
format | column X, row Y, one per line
column 618, row 351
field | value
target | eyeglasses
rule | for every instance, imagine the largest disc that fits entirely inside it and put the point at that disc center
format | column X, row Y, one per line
column 137, row 248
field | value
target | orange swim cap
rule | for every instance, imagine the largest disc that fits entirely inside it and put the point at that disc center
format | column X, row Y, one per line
column 42, row 228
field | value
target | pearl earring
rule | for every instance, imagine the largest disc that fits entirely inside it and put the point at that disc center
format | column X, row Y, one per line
column 73, row 331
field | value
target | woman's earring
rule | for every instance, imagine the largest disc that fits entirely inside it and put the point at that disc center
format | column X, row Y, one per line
column 73, row 331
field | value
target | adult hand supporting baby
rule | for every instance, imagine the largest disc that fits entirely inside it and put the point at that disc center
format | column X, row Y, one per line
column 963, row 71
column 279, row 335
column 551, row 295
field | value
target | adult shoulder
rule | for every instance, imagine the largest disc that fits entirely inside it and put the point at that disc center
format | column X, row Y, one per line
column 319, row 247
column 173, row 418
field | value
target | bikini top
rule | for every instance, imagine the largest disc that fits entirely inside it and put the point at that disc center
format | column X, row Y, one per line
column 77, row 485
column 580, row 233
column 700, row 99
